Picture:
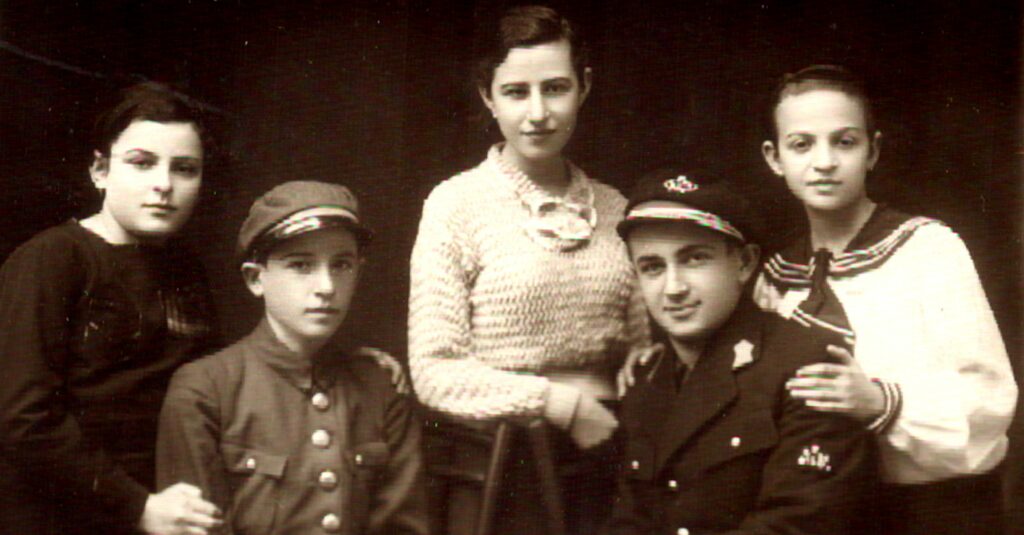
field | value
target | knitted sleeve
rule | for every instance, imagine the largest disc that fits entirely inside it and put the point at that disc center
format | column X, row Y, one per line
column 445, row 373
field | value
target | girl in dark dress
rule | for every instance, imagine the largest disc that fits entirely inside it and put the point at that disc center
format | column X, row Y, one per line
column 96, row 314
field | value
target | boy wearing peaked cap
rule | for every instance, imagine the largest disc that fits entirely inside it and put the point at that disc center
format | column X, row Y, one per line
column 281, row 431
column 715, row 444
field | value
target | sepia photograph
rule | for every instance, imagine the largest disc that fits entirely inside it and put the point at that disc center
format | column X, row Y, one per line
column 511, row 267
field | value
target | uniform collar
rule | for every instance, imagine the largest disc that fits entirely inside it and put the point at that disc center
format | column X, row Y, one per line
column 301, row 372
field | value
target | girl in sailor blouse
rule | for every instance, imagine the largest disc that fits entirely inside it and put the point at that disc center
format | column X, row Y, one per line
column 925, row 367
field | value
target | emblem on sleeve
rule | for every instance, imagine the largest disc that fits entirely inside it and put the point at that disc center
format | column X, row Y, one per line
column 680, row 184
column 744, row 354
column 814, row 457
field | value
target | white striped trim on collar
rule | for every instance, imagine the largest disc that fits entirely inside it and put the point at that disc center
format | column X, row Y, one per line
column 681, row 213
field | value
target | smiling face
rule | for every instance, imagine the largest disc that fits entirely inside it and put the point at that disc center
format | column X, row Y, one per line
column 150, row 181
column 307, row 283
column 691, row 279
column 824, row 149
column 535, row 97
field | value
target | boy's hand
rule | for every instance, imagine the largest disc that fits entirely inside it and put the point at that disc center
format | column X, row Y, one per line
column 386, row 361
column 592, row 424
column 842, row 388
column 638, row 356
column 179, row 509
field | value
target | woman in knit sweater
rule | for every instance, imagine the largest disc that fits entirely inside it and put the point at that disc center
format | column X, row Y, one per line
column 523, row 301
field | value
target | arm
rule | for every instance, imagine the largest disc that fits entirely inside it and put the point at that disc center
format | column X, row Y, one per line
column 955, row 412
column 817, row 478
column 446, row 375
column 400, row 504
column 187, row 449
column 40, row 286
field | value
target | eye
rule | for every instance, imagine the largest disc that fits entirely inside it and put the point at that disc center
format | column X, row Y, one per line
column 800, row 145
column 343, row 266
column 698, row 258
column 515, row 91
column 559, row 87
column 140, row 161
column 649, row 268
column 299, row 266
column 847, row 142
column 187, row 168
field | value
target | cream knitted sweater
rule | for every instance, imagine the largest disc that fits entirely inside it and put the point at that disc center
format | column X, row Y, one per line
column 492, row 310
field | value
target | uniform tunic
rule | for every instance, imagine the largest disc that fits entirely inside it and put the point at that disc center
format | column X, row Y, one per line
column 284, row 446
column 730, row 451
column 91, row 333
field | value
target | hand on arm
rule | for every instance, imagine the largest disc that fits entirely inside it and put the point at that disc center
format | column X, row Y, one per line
column 842, row 388
column 398, row 378
column 638, row 356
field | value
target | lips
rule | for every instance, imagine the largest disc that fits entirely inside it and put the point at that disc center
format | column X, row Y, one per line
column 161, row 207
column 329, row 311
column 824, row 182
column 539, row 133
column 680, row 312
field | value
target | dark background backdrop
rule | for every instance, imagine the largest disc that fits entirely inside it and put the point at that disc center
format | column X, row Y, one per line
column 376, row 95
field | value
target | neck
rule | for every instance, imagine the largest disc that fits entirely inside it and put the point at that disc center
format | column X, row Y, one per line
column 303, row 347
column 835, row 229
column 688, row 352
column 549, row 174
column 106, row 227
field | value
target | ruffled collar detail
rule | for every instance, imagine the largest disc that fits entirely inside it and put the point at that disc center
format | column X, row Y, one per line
column 556, row 223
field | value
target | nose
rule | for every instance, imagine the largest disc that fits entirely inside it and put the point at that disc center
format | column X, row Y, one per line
column 162, row 182
column 324, row 283
column 538, row 107
column 676, row 287
column 824, row 158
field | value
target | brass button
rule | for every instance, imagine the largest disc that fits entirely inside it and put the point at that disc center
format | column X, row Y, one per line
column 331, row 523
column 358, row 459
column 250, row 463
column 635, row 465
column 682, row 531
column 321, row 438
column 321, row 401
column 673, row 484
column 328, row 480
column 735, row 442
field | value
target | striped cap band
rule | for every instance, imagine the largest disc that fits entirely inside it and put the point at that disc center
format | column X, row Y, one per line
column 681, row 213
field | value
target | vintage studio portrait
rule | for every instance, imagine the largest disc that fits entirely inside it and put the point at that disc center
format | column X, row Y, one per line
column 511, row 267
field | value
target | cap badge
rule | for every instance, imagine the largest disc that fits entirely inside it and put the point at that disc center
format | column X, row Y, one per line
column 744, row 354
column 680, row 184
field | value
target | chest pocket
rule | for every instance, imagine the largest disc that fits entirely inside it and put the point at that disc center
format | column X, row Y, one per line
column 254, row 478
column 733, row 438
column 109, row 329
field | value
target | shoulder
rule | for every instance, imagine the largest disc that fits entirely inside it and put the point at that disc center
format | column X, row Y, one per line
column 788, row 345
column 460, row 189
column 64, row 241
column 608, row 197
column 368, row 372
column 208, row 372
column 57, row 257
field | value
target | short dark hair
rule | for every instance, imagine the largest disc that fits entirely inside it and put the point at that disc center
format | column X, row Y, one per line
column 524, row 26
column 814, row 77
column 146, row 101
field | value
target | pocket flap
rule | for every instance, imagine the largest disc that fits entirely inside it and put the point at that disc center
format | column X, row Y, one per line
column 369, row 454
column 241, row 460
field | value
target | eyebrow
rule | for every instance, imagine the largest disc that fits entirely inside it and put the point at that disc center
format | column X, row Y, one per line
column 842, row 130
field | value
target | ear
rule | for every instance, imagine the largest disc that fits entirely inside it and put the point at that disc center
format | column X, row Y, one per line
column 484, row 96
column 876, row 150
column 750, row 257
column 771, row 157
column 588, row 82
column 99, row 169
column 252, row 273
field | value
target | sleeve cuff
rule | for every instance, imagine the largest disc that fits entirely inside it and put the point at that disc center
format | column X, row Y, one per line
column 893, row 403
column 560, row 404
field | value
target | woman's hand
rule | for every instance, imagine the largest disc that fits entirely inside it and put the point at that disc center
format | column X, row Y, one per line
column 637, row 357
column 389, row 363
column 179, row 509
column 592, row 424
column 842, row 388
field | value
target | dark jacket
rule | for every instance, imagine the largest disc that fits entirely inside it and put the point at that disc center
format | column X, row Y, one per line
column 90, row 334
column 283, row 445
column 732, row 452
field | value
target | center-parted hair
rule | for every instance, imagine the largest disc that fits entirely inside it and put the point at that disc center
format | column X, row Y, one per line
column 523, row 26
column 817, row 77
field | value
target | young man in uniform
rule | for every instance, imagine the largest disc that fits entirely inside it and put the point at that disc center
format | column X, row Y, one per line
column 715, row 444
